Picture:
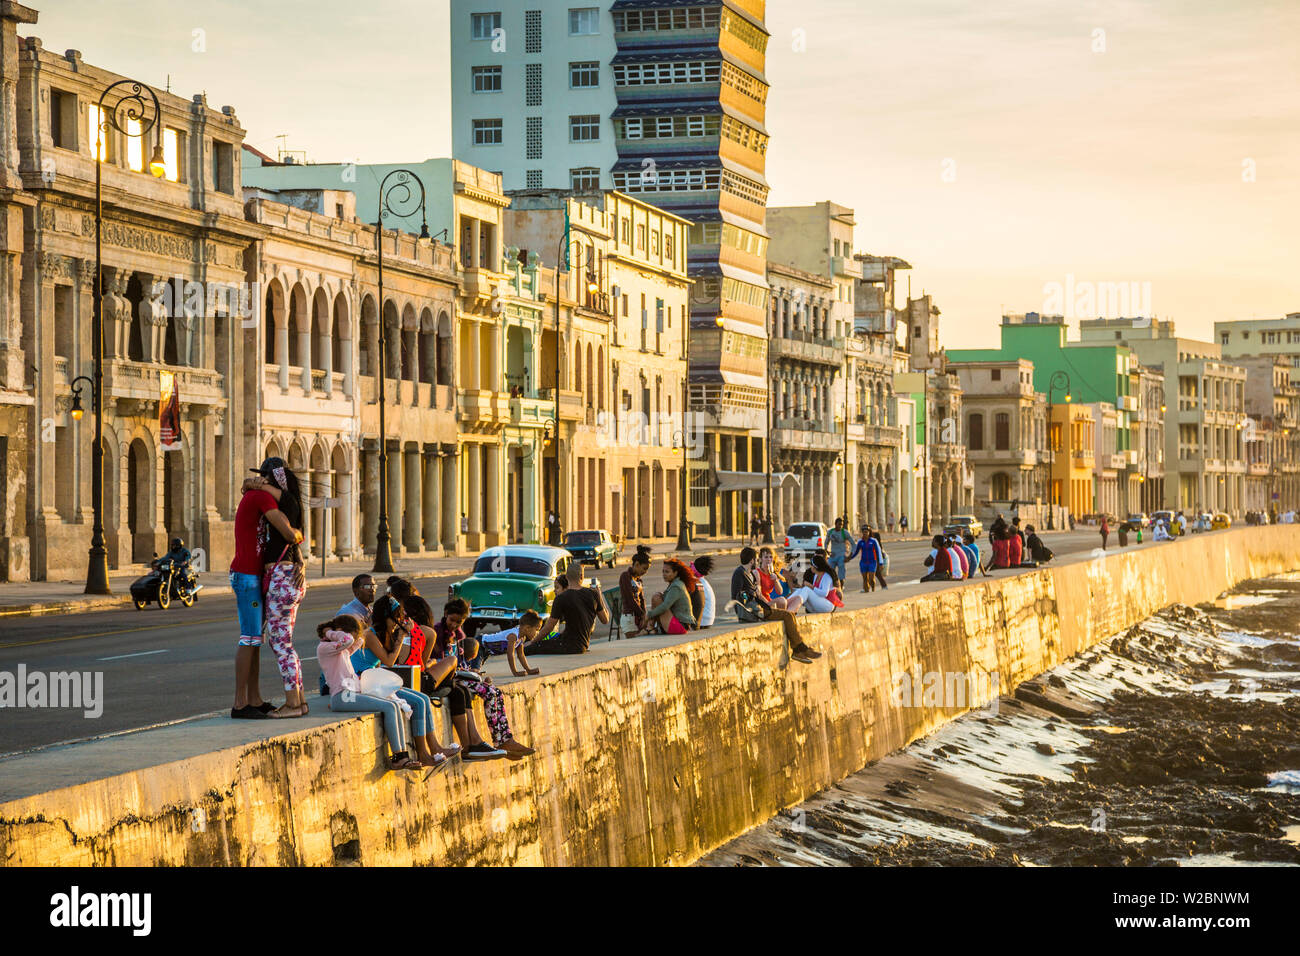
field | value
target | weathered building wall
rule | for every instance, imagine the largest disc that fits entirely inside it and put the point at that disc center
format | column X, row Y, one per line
column 654, row 758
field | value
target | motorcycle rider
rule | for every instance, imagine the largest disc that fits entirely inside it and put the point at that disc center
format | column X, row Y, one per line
column 179, row 557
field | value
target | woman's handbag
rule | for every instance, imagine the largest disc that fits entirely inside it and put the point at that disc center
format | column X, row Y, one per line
column 380, row 682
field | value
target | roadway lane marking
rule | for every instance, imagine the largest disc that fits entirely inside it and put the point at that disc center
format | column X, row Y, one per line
column 118, row 657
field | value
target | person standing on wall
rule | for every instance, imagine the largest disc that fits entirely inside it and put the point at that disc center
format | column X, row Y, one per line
column 284, row 577
column 259, row 504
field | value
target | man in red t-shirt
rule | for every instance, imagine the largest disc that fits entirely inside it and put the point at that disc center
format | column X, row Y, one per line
column 260, row 501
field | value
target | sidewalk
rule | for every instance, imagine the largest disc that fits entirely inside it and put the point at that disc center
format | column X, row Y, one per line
column 27, row 599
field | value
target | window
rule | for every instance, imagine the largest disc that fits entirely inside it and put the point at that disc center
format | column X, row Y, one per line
column 584, row 128
column 640, row 236
column 533, row 137
column 134, row 146
column 654, row 74
column 584, row 178
column 532, row 31
column 174, row 154
column 1002, row 431
column 63, row 119
column 94, row 119
column 483, row 24
column 223, row 167
column 584, row 75
column 996, row 374
column 668, row 245
column 584, row 21
column 486, row 79
column 625, row 229
column 487, row 132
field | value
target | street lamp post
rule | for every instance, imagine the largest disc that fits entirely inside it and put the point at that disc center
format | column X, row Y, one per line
column 683, row 529
column 399, row 200
column 927, row 458
column 1060, row 379
column 130, row 107
column 770, row 517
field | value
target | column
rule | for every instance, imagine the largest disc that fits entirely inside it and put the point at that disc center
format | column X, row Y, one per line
column 450, row 512
column 282, row 350
column 472, row 378
column 347, row 485
column 304, row 349
column 494, row 526
column 413, row 512
column 327, row 351
column 472, row 457
column 395, row 506
column 429, row 498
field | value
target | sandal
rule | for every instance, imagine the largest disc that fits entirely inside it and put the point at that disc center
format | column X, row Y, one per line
column 280, row 713
column 404, row 763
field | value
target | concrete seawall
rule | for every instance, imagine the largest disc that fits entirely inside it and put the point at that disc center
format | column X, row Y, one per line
column 649, row 759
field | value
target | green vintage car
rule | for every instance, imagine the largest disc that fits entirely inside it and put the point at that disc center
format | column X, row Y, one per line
column 508, row 580
column 592, row 547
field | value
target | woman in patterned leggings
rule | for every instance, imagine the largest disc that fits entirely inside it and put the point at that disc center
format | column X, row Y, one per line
column 479, row 684
column 286, row 581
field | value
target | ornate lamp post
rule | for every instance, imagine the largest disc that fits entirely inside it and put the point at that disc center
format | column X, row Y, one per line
column 131, row 103
column 1059, row 380
column 398, row 199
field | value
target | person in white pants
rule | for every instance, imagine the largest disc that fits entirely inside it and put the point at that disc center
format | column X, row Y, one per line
column 814, row 598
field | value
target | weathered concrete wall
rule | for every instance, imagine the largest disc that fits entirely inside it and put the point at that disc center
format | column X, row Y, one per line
column 654, row 758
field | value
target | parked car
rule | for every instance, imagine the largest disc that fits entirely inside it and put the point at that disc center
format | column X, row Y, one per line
column 592, row 547
column 961, row 524
column 1202, row 522
column 1138, row 520
column 806, row 536
column 508, row 580
column 1220, row 521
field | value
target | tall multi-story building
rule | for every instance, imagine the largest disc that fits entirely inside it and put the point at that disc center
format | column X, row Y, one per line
column 1108, row 465
column 532, row 91
column 1241, row 338
column 686, row 123
column 1205, row 397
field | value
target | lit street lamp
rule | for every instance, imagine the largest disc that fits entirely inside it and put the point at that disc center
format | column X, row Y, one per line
column 130, row 108
column 1059, row 380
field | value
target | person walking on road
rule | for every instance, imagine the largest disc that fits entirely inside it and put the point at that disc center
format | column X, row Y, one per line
column 1105, row 532
column 838, row 544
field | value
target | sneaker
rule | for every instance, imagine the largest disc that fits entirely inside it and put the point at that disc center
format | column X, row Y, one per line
column 482, row 752
column 247, row 713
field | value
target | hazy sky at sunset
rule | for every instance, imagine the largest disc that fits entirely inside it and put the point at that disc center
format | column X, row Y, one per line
column 1122, row 165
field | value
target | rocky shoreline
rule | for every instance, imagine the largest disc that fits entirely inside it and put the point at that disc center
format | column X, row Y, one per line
column 1174, row 743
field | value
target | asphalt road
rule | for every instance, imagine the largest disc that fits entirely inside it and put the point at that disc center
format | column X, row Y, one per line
column 161, row 666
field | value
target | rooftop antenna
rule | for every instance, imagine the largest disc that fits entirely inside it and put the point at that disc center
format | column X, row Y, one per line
column 169, row 82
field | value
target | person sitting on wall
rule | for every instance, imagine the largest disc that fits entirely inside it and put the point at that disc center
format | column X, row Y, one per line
column 632, row 619
column 939, row 562
column 671, row 609
column 772, row 587
column 577, row 608
column 820, row 593
column 1161, row 532
column 703, row 567
column 749, row 606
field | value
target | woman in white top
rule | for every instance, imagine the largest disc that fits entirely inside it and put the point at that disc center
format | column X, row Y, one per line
column 814, row 597
column 702, row 566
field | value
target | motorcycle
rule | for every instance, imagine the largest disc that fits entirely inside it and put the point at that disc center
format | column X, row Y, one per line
column 167, row 579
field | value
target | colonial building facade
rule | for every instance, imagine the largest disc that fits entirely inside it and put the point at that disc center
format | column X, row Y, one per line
column 162, row 236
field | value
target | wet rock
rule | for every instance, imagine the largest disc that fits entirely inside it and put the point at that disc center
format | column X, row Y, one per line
column 1044, row 748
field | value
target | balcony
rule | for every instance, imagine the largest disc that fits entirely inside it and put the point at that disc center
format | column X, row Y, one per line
column 887, row 435
column 801, row 346
column 804, row 435
column 842, row 266
column 531, row 411
column 124, row 379
column 572, row 406
column 478, row 407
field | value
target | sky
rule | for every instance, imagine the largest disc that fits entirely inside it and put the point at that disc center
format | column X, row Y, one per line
column 1000, row 147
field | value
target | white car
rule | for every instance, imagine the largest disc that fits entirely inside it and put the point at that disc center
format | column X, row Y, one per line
column 806, row 536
